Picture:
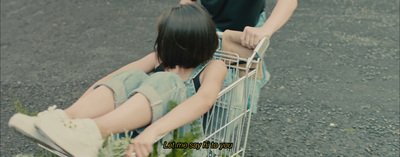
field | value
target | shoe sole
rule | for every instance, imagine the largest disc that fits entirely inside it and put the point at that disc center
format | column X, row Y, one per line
column 43, row 133
column 59, row 139
column 40, row 143
column 56, row 152
column 21, row 132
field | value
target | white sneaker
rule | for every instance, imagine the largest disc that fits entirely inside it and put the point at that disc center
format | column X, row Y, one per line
column 25, row 125
column 78, row 137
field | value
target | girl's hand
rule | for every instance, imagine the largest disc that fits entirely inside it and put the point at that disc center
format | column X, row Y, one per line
column 142, row 144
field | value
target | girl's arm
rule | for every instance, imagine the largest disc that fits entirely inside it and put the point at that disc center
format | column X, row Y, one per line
column 147, row 64
column 186, row 112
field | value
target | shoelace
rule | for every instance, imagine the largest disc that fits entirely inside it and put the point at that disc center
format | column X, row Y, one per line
column 49, row 110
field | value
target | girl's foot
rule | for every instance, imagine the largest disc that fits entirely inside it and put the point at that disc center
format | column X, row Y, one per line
column 78, row 137
column 25, row 125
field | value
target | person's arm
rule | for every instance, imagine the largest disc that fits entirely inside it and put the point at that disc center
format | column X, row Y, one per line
column 186, row 112
column 147, row 64
column 281, row 13
column 231, row 42
column 186, row 1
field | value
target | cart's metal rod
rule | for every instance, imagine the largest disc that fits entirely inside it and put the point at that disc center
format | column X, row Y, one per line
column 224, row 126
column 237, row 152
column 234, row 84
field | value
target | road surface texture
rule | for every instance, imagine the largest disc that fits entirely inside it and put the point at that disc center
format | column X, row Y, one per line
column 334, row 89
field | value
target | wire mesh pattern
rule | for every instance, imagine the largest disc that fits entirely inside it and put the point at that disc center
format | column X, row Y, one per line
column 226, row 124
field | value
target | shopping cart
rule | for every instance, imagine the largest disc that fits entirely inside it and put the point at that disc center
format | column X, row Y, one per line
column 226, row 125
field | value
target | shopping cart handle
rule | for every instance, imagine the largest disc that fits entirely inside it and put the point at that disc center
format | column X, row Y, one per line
column 262, row 46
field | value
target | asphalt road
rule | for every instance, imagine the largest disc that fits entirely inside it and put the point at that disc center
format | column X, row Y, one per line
column 334, row 89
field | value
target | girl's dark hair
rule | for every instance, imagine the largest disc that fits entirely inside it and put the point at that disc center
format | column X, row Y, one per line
column 186, row 37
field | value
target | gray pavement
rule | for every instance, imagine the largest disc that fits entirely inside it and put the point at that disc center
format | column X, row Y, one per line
column 334, row 89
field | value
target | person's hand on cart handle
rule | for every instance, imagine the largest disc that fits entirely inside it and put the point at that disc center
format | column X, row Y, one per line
column 281, row 13
column 252, row 36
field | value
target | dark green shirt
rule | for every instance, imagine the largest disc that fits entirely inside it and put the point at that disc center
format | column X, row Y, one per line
column 234, row 14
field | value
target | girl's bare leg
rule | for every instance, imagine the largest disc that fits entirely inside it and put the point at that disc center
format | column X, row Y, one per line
column 134, row 113
column 96, row 103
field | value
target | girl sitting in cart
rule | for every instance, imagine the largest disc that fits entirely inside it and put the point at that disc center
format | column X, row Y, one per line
column 131, row 99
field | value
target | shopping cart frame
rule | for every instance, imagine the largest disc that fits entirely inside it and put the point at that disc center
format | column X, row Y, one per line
column 243, row 118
